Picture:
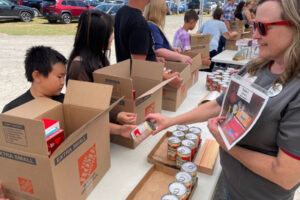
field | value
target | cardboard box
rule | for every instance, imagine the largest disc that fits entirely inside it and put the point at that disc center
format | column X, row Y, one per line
column 155, row 184
column 172, row 97
column 231, row 43
column 77, row 165
column 142, row 76
column 238, row 26
column 196, row 65
column 200, row 44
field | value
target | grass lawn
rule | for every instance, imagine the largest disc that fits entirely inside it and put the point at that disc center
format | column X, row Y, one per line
column 38, row 26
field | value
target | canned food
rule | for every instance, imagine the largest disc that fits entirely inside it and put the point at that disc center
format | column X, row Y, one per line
column 183, row 155
column 183, row 128
column 216, row 73
column 214, row 85
column 224, row 87
column 220, row 71
column 190, row 168
column 218, row 77
column 173, row 144
column 220, row 86
column 209, row 81
column 169, row 197
column 193, row 137
column 186, row 179
column 196, row 131
column 179, row 134
column 142, row 131
column 190, row 144
column 179, row 190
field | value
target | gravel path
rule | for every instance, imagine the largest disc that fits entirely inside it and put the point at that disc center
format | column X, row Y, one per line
column 12, row 53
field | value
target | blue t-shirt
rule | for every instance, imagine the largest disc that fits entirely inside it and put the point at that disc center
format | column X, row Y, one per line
column 216, row 28
column 160, row 41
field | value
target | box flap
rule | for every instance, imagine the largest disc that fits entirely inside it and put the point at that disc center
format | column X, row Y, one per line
column 147, row 94
column 34, row 108
column 197, row 62
column 121, row 69
column 183, row 69
column 198, row 39
column 147, row 69
column 23, row 134
column 87, row 94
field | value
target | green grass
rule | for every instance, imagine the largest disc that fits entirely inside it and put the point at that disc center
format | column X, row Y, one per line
column 38, row 26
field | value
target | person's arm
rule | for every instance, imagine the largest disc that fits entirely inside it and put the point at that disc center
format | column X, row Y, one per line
column 282, row 170
column 123, row 130
column 249, row 17
column 139, row 56
column 173, row 56
column 227, row 23
column 199, row 114
column 229, row 35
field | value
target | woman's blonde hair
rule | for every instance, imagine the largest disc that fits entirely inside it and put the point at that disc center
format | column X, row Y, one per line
column 247, row 2
column 290, row 10
column 155, row 12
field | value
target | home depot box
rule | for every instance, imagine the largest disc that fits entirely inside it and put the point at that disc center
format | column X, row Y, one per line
column 200, row 44
column 142, row 76
column 231, row 43
column 238, row 26
column 172, row 97
column 195, row 66
column 77, row 165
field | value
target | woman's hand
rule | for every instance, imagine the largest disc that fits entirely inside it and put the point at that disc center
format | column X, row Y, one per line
column 125, row 130
column 161, row 122
column 185, row 59
column 212, row 125
column 126, row 118
column 175, row 83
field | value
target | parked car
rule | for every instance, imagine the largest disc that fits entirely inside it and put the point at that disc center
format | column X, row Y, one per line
column 94, row 3
column 109, row 8
column 36, row 5
column 194, row 4
column 64, row 10
column 10, row 10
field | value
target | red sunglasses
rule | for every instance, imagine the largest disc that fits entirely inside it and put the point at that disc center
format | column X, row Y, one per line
column 263, row 27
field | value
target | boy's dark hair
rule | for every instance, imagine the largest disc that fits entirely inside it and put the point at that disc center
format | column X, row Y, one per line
column 218, row 13
column 189, row 15
column 42, row 59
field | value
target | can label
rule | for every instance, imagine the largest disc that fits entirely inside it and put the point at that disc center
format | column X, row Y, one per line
column 183, row 155
column 197, row 131
column 190, row 144
column 224, row 87
column 193, row 137
column 214, row 86
column 209, row 81
column 173, row 144
column 142, row 131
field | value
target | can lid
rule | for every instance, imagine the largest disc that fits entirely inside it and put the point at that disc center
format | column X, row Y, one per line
column 191, row 136
column 169, row 197
column 151, row 125
column 189, row 167
column 184, row 150
column 178, row 133
column 182, row 127
column 177, row 188
column 183, row 177
column 188, row 143
column 195, row 130
column 173, row 139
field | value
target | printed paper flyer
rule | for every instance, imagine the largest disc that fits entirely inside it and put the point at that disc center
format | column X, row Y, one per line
column 242, row 105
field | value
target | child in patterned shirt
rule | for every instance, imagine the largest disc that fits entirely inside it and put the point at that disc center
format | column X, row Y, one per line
column 182, row 37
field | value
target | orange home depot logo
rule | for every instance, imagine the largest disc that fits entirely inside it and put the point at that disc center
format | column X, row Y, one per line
column 25, row 185
column 150, row 109
column 87, row 164
column 182, row 90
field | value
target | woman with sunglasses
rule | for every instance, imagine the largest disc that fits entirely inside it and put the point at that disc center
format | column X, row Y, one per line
column 265, row 164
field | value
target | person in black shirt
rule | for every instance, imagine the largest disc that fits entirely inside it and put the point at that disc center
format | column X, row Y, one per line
column 133, row 37
column 45, row 68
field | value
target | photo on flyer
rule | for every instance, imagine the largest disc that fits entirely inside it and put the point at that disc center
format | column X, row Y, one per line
column 242, row 105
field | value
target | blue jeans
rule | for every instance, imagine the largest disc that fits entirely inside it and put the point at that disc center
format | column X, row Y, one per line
column 226, row 189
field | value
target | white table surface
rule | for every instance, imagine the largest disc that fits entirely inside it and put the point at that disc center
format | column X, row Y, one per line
column 129, row 166
column 226, row 57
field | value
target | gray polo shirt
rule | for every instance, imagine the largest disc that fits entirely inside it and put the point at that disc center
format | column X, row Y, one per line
column 277, row 127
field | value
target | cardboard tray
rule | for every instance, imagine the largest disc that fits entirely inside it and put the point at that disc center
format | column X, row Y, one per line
column 159, row 153
column 155, row 184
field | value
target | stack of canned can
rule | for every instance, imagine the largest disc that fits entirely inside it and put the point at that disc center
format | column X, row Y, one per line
column 185, row 181
column 183, row 144
column 218, row 80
